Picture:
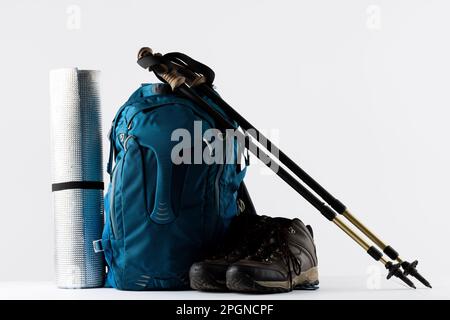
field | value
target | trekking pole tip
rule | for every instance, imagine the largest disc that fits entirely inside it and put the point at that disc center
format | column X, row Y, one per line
column 405, row 279
column 394, row 270
column 410, row 269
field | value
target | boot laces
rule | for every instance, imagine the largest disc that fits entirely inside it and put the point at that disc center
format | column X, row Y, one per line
column 276, row 246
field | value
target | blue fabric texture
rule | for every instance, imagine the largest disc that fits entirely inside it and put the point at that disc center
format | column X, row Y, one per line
column 161, row 217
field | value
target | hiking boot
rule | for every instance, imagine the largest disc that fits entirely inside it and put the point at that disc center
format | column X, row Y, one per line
column 285, row 260
column 241, row 240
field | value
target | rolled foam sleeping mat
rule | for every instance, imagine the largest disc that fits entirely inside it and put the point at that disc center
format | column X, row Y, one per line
column 77, row 177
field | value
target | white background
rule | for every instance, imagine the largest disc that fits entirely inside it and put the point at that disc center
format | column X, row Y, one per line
column 357, row 91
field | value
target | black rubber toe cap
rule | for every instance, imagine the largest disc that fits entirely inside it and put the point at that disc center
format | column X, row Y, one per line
column 248, row 279
column 258, row 271
column 208, row 276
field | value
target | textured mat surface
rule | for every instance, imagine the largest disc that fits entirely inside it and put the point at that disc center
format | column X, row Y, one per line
column 77, row 156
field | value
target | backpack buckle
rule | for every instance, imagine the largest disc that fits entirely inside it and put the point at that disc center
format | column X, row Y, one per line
column 97, row 244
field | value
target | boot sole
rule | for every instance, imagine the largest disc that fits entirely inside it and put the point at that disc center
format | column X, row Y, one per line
column 242, row 282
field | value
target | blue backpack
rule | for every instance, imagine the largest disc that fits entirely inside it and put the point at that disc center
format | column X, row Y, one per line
column 161, row 217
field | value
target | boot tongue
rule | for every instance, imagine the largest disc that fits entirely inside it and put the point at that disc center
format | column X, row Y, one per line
column 310, row 230
column 248, row 239
column 270, row 244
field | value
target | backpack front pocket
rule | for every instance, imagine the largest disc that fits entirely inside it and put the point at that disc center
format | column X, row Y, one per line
column 133, row 187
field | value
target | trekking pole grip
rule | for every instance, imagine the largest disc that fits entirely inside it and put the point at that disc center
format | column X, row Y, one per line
column 163, row 68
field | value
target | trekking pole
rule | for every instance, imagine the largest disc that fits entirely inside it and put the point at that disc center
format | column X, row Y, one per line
column 167, row 73
column 408, row 267
column 324, row 209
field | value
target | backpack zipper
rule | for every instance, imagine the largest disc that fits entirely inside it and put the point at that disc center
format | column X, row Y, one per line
column 146, row 109
column 119, row 165
column 112, row 207
column 154, row 107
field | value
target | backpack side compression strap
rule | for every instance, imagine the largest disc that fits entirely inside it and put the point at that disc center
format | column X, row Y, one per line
column 77, row 185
